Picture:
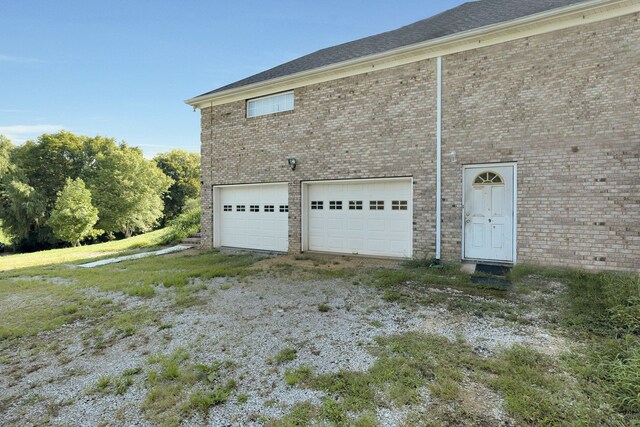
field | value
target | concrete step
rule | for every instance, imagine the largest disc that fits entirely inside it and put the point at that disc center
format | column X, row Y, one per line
column 193, row 241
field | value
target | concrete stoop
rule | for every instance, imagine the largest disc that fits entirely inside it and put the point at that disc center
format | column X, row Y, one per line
column 488, row 275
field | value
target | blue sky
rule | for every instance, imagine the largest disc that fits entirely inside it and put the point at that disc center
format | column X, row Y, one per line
column 122, row 69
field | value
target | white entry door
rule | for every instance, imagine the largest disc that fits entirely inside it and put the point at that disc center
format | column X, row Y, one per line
column 366, row 217
column 253, row 216
column 489, row 212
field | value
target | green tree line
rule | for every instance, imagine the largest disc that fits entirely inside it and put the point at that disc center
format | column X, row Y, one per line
column 68, row 188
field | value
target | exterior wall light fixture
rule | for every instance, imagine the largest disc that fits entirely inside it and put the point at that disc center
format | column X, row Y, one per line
column 292, row 163
column 454, row 156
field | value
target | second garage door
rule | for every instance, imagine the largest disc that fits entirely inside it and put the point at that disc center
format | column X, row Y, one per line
column 367, row 217
column 253, row 216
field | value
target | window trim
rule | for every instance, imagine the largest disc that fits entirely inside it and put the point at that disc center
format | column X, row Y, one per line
column 261, row 98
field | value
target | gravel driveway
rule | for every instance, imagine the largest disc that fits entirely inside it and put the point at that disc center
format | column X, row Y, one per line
column 247, row 321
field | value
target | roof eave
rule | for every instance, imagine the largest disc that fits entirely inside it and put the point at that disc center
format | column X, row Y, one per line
column 268, row 86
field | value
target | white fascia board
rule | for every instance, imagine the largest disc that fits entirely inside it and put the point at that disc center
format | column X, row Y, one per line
column 540, row 23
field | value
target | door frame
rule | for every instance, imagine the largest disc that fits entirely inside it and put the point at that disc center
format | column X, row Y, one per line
column 514, row 221
column 217, row 208
column 304, row 217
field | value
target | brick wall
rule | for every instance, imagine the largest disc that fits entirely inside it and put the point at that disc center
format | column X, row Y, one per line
column 564, row 105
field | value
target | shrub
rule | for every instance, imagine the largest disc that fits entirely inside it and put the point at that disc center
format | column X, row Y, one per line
column 185, row 224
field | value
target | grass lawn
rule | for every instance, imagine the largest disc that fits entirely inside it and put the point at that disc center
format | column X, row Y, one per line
column 58, row 256
column 85, row 322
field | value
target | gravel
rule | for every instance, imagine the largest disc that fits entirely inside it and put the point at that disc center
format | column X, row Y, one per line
column 247, row 321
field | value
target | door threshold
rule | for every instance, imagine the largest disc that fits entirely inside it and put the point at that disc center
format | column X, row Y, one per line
column 488, row 262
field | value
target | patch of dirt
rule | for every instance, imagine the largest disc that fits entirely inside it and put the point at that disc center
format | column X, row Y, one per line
column 484, row 402
column 488, row 334
column 327, row 262
column 186, row 252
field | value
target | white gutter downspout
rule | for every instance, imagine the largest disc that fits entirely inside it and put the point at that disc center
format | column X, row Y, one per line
column 438, row 153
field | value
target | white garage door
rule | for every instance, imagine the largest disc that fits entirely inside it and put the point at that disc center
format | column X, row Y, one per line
column 254, row 217
column 368, row 217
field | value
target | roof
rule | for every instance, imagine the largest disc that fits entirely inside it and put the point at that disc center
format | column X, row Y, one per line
column 468, row 16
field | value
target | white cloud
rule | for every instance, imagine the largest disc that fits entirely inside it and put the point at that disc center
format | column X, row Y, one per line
column 18, row 59
column 21, row 133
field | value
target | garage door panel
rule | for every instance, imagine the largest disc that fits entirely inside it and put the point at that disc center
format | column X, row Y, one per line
column 255, row 227
column 360, row 227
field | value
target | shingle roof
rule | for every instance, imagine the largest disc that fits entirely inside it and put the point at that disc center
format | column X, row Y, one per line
column 468, row 16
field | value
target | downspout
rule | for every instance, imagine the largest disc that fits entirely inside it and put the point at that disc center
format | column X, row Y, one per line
column 438, row 154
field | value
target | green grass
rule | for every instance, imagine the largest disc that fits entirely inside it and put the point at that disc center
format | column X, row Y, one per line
column 68, row 255
column 602, row 312
column 31, row 306
column 405, row 363
column 43, row 298
column 178, row 389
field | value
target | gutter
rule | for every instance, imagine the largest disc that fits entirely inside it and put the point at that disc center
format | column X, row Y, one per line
column 438, row 155
column 371, row 61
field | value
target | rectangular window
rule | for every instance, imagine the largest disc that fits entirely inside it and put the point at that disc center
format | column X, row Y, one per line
column 355, row 205
column 270, row 104
column 376, row 205
column 254, row 208
column 239, row 208
column 317, row 205
column 337, row 205
column 284, row 208
column 399, row 205
column 228, row 208
column 269, row 208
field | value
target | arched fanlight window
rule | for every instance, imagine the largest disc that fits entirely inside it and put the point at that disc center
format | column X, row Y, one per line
column 488, row 178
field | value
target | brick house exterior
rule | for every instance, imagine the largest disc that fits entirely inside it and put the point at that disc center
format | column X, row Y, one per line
column 561, row 101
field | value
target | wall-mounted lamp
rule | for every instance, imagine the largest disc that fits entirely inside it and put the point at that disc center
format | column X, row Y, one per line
column 454, row 156
column 292, row 163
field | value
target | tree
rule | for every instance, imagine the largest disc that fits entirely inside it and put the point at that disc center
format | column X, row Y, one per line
column 47, row 162
column 184, row 168
column 6, row 148
column 73, row 216
column 127, row 189
column 22, row 209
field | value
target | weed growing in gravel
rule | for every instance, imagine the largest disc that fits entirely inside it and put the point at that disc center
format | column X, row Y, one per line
column 301, row 414
column 177, row 388
column 128, row 322
column 117, row 385
column 299, row 376
column 323, row 308
column 537, row 389
column 285, row 355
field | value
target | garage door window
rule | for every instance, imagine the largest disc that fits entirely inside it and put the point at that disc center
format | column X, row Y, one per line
column 335, row 205
column 376, row 205
column 284, row 208
column 316, row 205
column 254, row 208
column 269, row 208
column 240, row 208
column 228, row 208
column 399, row 205
column 355, row 205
